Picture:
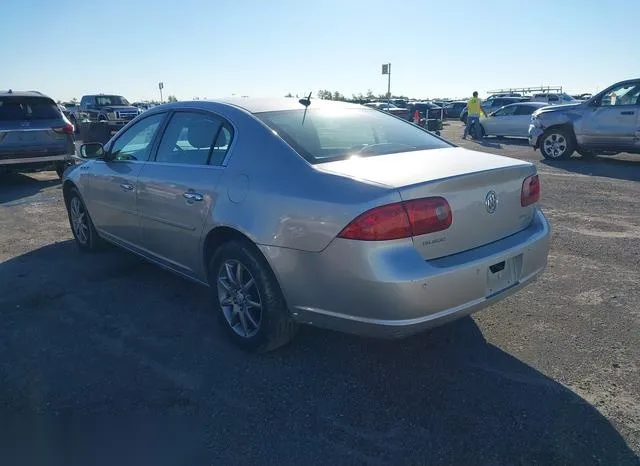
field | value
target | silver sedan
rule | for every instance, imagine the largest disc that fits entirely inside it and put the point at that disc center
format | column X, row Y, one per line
column 312, row 212
column 511, row 120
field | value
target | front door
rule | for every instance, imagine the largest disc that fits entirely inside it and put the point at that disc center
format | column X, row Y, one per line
column 177, row 190
column 611, row 123
column 501, row 122
column 112, row 198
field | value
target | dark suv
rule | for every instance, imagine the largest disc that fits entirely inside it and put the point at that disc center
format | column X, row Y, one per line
column 34, row 134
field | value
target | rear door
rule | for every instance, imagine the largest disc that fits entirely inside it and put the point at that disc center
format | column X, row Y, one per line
column 32, row 127
column 521, row 119
column 611, row 123
column 177, row 189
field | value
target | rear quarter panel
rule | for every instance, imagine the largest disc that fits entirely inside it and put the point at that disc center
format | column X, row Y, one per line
column 273, row 196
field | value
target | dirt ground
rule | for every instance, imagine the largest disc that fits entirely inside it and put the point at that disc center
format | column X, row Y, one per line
column 108, row 360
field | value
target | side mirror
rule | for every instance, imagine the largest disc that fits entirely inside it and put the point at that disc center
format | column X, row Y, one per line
column 92, row 150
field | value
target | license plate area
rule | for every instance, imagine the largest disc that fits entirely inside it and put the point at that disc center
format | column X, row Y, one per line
column 503, row 275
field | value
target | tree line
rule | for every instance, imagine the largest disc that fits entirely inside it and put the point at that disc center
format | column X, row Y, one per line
column 326, row 94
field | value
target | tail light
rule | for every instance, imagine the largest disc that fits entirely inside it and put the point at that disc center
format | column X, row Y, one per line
column 66, row 129
column 530, row 193
column 400, row 220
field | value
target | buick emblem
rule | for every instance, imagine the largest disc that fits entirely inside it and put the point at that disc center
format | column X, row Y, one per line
column 491, row 201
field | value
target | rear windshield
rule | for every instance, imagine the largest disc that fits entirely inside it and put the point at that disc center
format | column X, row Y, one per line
column 335, row 134
column 28, row 108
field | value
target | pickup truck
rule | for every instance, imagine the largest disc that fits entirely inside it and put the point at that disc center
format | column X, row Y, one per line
column 113, row 110
column 606, row 124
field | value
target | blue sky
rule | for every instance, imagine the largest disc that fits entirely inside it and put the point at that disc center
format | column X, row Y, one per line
column 211, row 48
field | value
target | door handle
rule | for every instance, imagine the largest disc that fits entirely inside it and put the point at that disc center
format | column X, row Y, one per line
column 629, row 112
column 126, row 187
column 193, row 196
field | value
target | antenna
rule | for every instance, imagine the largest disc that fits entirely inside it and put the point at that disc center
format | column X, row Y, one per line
column 306, row 102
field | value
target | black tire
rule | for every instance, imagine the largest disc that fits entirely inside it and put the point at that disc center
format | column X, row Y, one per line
column 275, row 326
column 565, row 144
column 92, row 242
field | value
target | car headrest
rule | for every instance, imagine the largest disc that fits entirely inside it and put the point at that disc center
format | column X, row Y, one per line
column 200, row 133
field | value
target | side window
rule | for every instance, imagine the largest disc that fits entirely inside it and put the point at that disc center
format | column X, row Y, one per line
column 525, row 109
column 553, row 98
column 506, row 111
column 135, row 143
column 189, row 138
column 627, row 94
column 221, row 146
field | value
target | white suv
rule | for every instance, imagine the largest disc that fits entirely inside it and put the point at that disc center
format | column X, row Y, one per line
column 552, row 98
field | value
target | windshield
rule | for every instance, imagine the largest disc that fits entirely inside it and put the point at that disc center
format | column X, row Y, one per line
column 27, row 108
column 106, row 100
column 329, row 135
column 567, row 97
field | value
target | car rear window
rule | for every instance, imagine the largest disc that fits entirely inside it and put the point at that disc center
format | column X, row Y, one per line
column 335, row 134
column 28, row 108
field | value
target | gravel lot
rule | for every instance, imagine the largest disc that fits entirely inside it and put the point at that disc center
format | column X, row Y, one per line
column 109, row 360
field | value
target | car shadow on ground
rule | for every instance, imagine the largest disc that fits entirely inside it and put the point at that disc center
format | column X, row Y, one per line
column 599, row 166
column 116, row 352
column 16, row 186
column 499, row 143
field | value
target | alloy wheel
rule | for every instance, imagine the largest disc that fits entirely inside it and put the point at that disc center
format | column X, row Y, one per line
column 79, row 220
column 239, row 298
column 555, row 145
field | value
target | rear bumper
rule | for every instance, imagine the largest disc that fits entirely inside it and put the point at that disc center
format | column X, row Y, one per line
column 388, row 290
column 34, row 163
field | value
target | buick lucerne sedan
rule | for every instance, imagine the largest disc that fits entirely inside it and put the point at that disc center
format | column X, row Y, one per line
column 312, row 212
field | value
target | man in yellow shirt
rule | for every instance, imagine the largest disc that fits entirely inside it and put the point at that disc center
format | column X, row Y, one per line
column 474, row 109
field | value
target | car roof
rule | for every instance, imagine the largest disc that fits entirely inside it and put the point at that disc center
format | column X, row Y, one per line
column 12, row 93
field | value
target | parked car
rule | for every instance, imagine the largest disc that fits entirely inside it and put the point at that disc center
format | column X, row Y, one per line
column 606, row 124
column 112, row 110
column 34, row 133
column 454, row 109
column 511, row 120
column 427, row 110
column 552, row 98
column 493, row 103
column 312, row 212
column 390, row 108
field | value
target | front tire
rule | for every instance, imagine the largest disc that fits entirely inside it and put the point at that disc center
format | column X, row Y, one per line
column 247, row 299
column 557, row 144
column 84, row 232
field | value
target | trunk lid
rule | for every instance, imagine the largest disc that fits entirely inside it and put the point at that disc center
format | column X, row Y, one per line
column 468, row 180
column 32, row 135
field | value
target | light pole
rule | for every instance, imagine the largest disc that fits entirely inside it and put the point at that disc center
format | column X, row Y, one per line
column 386, row 69
column 161, row 86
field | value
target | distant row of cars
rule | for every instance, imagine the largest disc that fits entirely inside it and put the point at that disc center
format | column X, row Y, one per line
column 607, row 123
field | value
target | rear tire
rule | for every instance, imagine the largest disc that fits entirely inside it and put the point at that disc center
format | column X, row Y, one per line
column 249, row 303
column 84, row 232
column 557, row 144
